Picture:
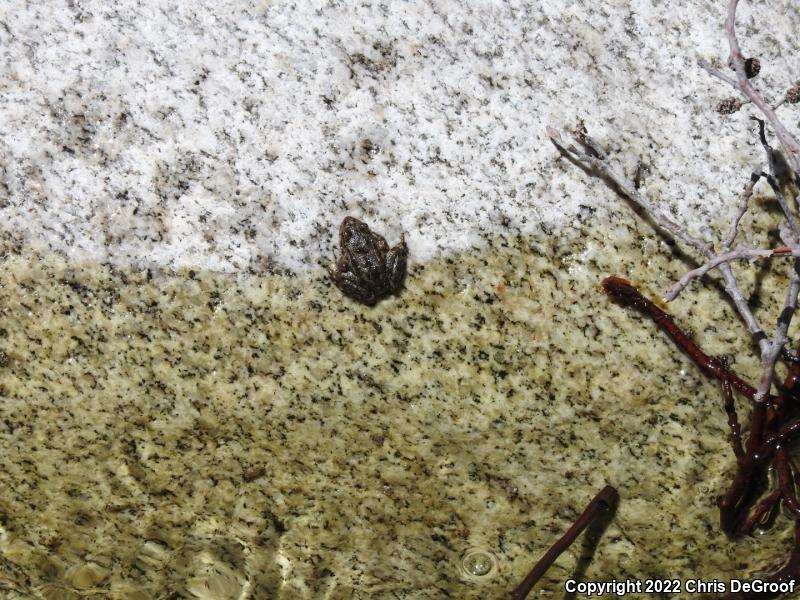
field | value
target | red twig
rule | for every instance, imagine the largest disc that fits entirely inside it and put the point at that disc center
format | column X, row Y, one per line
column 605, row 499
column 622, row 292
column 762, row 513
column 770, row 432
column 733, row 419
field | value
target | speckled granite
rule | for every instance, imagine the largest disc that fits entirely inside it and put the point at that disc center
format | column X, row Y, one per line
column 201, row 435
column 235, row 135
column 188, row 407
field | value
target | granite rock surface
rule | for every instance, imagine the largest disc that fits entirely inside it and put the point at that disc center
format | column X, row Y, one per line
column 236, row 135
column 211, row 436
column 189, row 408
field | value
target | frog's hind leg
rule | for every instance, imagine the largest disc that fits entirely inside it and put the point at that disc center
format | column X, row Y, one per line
column 350, row 288
column 396, row 261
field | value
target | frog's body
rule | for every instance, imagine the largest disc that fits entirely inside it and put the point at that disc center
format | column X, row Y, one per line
column 368, row 269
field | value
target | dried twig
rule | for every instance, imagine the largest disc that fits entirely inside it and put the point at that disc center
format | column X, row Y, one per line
column 628, row 188
column 741, row 83
column 737, row 217
column 774, row 422
column 738, row 254
column 700, row 247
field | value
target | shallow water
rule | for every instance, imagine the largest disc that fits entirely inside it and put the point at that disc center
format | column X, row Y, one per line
column 201, row 435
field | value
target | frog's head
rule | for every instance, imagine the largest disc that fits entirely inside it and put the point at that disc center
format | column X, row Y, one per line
column 355, row 235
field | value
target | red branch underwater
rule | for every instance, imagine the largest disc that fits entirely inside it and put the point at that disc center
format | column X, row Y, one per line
column 747, row 503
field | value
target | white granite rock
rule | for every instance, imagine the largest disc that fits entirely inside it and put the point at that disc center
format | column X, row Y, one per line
column 233, row 135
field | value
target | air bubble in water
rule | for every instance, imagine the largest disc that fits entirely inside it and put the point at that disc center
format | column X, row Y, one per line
column 478, row 563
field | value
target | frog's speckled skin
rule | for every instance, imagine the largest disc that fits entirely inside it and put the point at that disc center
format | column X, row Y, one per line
column 368, row 270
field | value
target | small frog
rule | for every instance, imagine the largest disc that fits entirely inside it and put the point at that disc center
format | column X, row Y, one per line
column 368, row 270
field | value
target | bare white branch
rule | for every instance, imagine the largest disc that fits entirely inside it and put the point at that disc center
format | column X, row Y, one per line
column 738, row 254
column 628, row 188
column 740, row 302
column 700, row 247
column 789, row 143
column 780, row 339
column 743, row 202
